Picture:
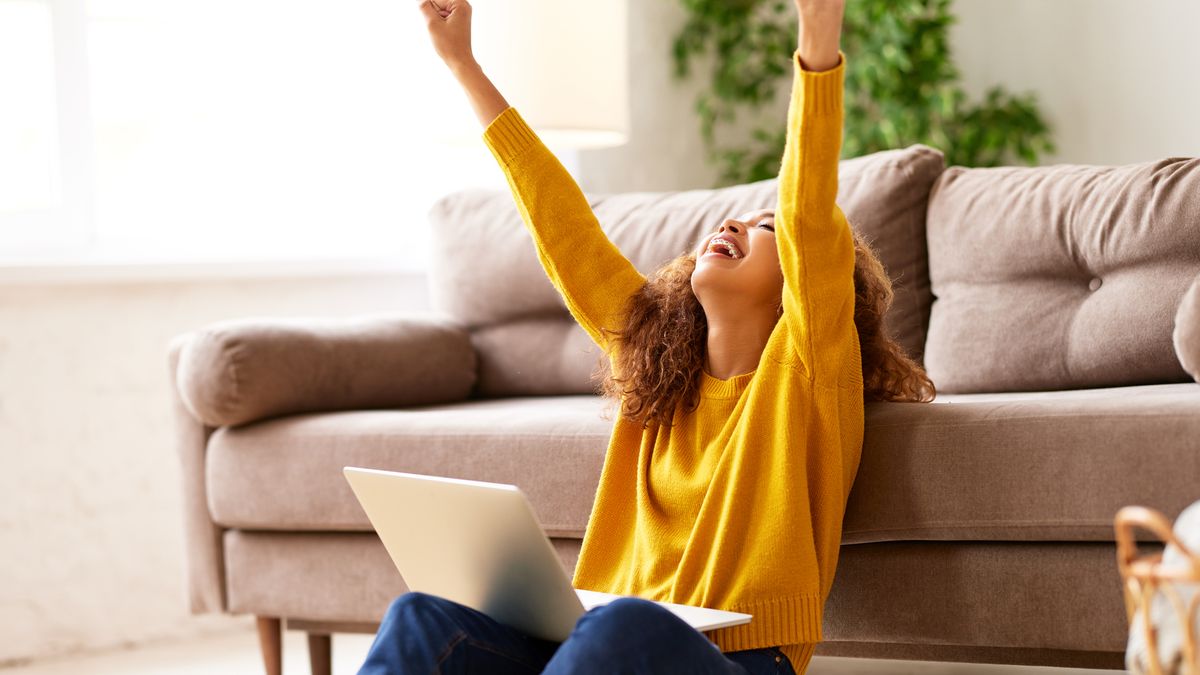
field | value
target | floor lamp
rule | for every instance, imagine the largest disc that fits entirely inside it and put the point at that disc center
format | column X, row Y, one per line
column 563, row 64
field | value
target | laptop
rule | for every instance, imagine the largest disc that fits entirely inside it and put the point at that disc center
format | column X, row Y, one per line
column 480, row 545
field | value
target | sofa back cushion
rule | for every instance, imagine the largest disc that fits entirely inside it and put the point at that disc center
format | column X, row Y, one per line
column 485, row 272
column 1060, row 277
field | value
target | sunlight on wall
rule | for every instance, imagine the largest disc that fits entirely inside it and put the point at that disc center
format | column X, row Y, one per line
column 262, row 129
column 27, row 135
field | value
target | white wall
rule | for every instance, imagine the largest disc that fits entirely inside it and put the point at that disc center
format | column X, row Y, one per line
column 1119, row 80
column 91, row 524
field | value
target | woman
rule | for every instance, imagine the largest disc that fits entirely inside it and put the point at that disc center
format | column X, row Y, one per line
column 741, row 369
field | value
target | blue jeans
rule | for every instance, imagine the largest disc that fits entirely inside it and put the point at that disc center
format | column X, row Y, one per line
column 427, row 634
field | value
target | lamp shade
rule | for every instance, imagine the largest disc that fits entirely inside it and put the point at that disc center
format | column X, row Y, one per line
column 562, row 63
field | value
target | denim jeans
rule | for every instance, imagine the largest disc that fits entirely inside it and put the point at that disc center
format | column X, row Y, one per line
column 427, row 634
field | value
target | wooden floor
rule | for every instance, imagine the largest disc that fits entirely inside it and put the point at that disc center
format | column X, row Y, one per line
column 236, row 654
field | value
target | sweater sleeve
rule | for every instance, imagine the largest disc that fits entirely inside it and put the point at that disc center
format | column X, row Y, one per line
column 816, row 246
column 589, row 272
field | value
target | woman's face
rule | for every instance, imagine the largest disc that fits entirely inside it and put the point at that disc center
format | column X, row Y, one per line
column 739, row 261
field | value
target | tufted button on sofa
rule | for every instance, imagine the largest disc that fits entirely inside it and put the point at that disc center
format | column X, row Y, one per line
column 1056, row 308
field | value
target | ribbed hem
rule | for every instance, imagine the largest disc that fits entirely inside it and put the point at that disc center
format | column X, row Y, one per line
column 820, row 92
column 799, row 655
column 779, row 621
column 508, row 136
column 713, row 387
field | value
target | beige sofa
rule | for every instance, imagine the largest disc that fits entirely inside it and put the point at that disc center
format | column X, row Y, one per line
column 1050, row 305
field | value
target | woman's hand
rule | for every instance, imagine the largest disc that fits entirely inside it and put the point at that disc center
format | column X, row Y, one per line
column 449, row 24
column 820, row 32
column 808, row 8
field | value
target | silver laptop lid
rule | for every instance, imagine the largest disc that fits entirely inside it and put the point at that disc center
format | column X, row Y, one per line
column 478, row 544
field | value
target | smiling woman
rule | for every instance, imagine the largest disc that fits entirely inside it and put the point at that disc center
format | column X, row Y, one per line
column 741, row 368
column 665, row 357
column 726, row 245
column 749, row 278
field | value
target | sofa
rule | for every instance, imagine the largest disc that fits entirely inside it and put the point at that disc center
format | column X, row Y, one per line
column 1056, row 308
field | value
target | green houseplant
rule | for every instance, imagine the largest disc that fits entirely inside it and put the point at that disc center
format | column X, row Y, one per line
column 901, row 86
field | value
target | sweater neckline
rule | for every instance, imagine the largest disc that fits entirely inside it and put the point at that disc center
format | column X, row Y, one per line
column 715, row 387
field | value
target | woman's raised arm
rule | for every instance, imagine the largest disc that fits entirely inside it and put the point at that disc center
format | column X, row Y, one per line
column 594, row 279
column 449, row 24
column 816, row 245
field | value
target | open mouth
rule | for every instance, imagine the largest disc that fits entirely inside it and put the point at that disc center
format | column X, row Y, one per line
column 723, row 247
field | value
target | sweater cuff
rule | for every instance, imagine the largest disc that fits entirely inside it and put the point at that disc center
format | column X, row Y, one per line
column 508, row 136
column 821, row 91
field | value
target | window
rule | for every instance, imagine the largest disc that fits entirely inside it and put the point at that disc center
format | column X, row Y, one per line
column 43, row 197
column 162, row 129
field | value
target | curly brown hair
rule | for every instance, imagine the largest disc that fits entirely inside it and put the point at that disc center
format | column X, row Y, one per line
column 659, row 354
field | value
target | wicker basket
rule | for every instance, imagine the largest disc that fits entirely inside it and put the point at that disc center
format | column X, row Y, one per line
column 1162, row 592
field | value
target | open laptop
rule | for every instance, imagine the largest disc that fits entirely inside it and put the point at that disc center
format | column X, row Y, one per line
column 480, row 545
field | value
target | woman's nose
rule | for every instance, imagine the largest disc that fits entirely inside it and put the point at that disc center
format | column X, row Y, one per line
column 730, row 225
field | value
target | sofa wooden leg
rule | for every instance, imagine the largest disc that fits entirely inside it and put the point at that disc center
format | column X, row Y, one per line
column 270, row 643
column 320, row 653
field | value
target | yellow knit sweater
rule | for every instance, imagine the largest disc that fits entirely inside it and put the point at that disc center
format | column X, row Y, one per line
column 740, row 505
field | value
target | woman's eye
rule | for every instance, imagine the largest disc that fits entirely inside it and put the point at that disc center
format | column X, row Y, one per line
column 768, row 226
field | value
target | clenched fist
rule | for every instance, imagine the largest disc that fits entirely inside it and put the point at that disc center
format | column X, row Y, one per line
column 449, row 24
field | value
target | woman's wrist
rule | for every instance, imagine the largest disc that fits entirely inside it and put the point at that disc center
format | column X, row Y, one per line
column 819, row 34
column 819, row 59
column 485, row 99
column 818, row 45
column 462, row 67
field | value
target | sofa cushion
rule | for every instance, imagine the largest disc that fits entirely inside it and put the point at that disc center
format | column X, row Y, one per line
column 1060, row 277
column 484, row 269
column 1187, row 330
column 1040, row 466
column 241, row 370
column 1052, row 466
column 286, row 474
column 536, row 356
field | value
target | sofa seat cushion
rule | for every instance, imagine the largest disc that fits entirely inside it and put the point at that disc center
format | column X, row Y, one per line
column 1039, row 466
column 286, row 473
column 1024, row 466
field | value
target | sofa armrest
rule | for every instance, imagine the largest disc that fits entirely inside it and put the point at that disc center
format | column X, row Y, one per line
column 242, row 370
column 203, row 539
column 1187, row 330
